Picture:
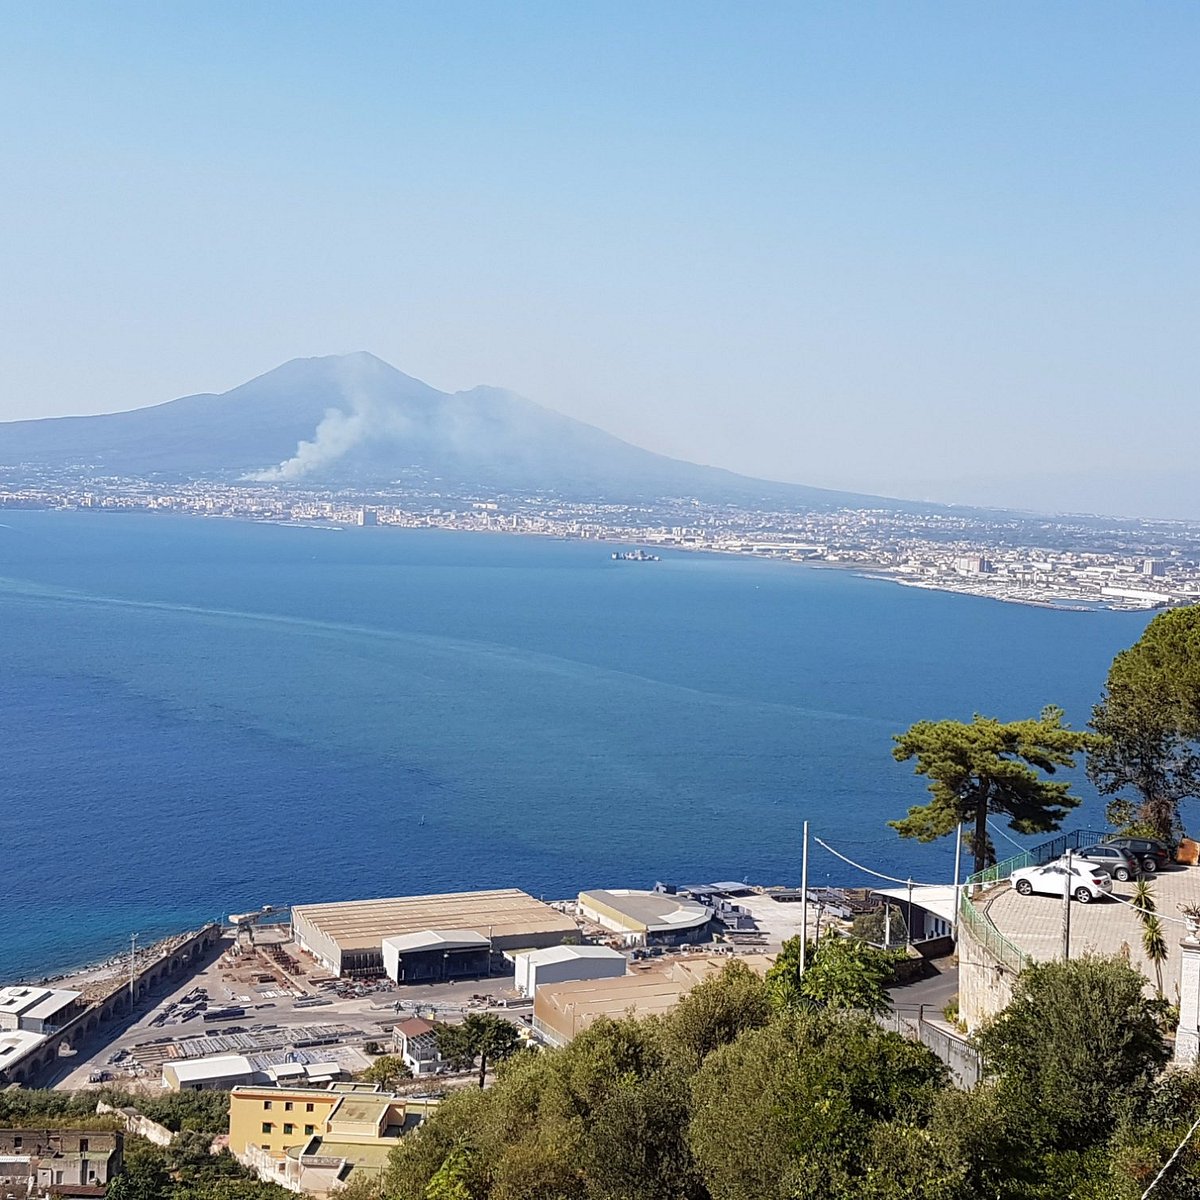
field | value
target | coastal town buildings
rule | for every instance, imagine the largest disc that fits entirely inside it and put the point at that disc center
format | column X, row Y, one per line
column 641, row 918
column 562, row 964
column 561, row 1011
column 37, row 1163
column 1058, row 561
column 311, row 1140
column 37, row 1010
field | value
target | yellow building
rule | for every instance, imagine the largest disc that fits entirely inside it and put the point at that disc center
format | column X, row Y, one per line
column 274, row 1119
column 311, row 1140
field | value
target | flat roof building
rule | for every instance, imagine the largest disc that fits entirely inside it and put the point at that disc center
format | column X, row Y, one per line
column 36, row 1009
column 16, row 1043
column 562, row 1011
column 312, row 1141
column 348, row 937
column 643, row 917
column 221, row 1072
column 563, row 964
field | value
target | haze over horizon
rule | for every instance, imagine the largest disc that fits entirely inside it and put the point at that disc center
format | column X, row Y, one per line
column 923, row 252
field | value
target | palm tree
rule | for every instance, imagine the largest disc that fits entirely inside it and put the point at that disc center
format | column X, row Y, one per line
column 1155, row 946
column 1154, row 943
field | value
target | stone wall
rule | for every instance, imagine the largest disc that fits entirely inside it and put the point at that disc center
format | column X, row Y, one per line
column 985, row 987
column 135, row 1122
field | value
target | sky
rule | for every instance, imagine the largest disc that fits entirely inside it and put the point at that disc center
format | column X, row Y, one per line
column 935, row 250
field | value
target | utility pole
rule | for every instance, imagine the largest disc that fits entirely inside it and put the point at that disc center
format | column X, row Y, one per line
column 133, row 937
column 1066, row 926
column 804, row 903
column 957, row 877
column 887, row 925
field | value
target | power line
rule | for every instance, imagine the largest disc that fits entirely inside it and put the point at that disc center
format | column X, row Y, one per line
column 1187, row 1137
column 878, row 874
column 996, row 829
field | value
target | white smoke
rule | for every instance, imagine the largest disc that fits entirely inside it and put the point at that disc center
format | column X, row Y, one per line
column 370, row 419
column 337, row 434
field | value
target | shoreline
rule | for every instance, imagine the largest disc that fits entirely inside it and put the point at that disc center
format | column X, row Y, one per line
column 862, row 570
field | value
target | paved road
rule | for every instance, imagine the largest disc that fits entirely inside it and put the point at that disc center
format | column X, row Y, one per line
column 934, row 993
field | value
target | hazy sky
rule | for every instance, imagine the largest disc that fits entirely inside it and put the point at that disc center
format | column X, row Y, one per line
column 933, row 250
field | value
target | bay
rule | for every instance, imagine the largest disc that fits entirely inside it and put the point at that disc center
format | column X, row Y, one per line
column 201, row 716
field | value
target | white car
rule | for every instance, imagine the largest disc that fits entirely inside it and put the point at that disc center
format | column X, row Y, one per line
column 1087, row 882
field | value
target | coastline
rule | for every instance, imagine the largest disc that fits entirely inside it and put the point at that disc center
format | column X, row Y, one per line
column 1063, row 601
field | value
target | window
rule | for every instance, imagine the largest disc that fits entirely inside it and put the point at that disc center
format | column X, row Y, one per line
column 287, row 1106
column 309, row 1129
column 308, row 1108
column 289, row 1127
column 266, row 1104
column 266, row 1127
column 83, row 1145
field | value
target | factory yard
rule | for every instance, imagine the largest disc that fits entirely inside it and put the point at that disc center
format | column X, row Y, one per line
column 308, row 1017
column 268, row 1001
column 1035, row 923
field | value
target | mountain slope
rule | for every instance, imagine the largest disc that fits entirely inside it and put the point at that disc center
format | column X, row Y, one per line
column 354, row 419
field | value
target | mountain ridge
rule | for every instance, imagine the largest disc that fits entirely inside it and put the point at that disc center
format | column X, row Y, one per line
column 356, row 419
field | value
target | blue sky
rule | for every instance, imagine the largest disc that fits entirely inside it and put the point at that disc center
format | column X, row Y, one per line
column 933, row 250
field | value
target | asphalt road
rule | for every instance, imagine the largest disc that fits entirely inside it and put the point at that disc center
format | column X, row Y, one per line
column 934, row 992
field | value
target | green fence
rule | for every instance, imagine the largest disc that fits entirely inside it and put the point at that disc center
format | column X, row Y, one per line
column 1006, row 953
column 993, row 941
column 1046, row 852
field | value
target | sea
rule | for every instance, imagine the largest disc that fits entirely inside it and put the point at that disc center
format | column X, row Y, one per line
column 203, row 716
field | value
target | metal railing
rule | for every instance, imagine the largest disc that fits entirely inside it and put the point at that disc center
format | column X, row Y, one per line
column 1006, row 953
column 1037, row 855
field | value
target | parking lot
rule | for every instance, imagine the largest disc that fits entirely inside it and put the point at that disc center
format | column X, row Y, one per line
column 1035, row 923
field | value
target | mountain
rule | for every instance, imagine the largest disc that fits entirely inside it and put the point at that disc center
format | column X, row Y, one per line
column 354, row 419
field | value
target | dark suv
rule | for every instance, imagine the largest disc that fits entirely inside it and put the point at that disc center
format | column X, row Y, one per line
column 1151, row 854
column 1118, row 862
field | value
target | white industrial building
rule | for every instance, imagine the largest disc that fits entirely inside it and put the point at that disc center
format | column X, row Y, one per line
column 436, row 954
column 36, row 1009
column 565, row 964
column 643, row 918
column 225, row 1071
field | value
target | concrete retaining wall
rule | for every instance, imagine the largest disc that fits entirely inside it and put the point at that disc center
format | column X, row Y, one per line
column 985, row 987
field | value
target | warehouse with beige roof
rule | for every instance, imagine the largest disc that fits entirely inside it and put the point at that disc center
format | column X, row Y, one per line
column 430, row 937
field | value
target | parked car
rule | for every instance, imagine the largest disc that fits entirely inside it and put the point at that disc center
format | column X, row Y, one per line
column 1119, row 863
column 1087, row 883
column 1151, row 854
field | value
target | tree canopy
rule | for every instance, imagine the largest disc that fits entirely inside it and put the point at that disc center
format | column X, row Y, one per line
column 803, row 1102
column 1148, row 722
column 841, row 973
column 989, row 767
column 482, row 1036
column 1075, row 1041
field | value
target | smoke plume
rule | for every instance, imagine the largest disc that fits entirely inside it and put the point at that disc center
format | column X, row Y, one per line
column 370, row 419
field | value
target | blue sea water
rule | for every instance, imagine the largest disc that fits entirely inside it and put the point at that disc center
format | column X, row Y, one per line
column 200, row 716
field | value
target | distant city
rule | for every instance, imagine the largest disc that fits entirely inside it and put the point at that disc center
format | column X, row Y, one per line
column 1062, row 562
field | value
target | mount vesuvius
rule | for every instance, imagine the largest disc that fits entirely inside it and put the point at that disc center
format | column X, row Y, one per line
column 355, row 420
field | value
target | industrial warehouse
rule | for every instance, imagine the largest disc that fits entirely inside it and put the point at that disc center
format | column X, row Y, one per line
column 426, row 937
column 642, row 918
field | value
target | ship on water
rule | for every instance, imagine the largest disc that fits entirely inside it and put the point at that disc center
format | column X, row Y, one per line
column 633, row 556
